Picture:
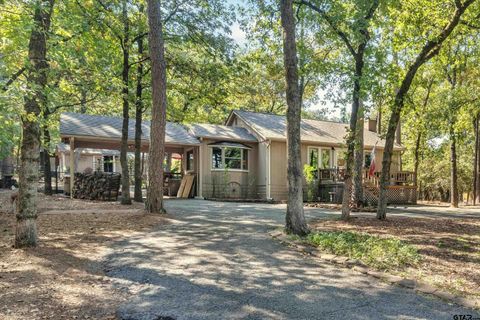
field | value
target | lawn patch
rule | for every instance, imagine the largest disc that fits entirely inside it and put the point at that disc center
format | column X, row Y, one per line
column 381, row 253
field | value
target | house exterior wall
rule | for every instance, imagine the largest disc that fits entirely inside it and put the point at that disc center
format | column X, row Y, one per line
column 262, row 167
column 262, row 159
column 220, row 183
column 84, row 161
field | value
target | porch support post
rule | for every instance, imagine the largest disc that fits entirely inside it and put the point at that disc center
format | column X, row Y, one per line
column 268, row 191
column 72, row 164
column 64, row 165
column 200, row 172
column 169, row 162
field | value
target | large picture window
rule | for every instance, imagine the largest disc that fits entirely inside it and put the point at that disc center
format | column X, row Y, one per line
column 227, row 157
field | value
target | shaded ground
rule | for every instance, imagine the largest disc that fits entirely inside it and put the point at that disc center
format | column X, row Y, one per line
column 216, row 261
column 450, row 248
column 208, row 260
column 63, row 278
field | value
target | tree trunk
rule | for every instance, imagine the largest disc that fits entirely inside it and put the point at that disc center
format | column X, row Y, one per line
column 125, row 199
column 476, row 171
column 453, row 168
column 47, row 175
column 347, row 191
column 417, row 158
column 159, row 109
column 295, row 219
column 138, row 126
column 379, row 120
column 429, row 50
column 387, row 156
column 26, row 227
column 359, row 155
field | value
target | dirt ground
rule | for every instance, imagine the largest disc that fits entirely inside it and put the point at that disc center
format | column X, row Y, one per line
column 450, row 248
column 62, row 278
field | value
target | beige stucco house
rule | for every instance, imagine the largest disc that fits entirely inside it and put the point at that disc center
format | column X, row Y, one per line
column 244, row 158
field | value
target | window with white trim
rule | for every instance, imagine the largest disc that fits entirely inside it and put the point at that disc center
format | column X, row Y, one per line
column 234, row 158
column 108, row 163
column 320, row 157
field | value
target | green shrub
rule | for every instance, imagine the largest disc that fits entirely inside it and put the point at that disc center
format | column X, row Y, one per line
column 381, row 253
column 309, row 174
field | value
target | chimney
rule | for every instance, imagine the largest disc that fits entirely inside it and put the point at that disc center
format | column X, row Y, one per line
column 370, row 124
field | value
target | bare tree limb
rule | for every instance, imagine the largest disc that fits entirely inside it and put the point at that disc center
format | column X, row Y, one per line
column 13, row 77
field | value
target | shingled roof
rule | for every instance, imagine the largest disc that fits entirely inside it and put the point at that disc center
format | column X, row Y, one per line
column 76, row 124
column 271, row 126
column 205, row 130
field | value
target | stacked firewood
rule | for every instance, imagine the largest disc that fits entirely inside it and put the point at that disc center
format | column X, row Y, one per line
column 96, row 186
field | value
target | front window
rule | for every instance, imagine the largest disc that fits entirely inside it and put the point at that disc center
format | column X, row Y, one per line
column 107, row 163
column 313, row 157
column 233, row 158
column 217, row 158
column 320, row 158
column 229, row 158
column 325, row 159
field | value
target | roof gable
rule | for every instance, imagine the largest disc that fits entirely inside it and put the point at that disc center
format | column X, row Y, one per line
column 271, row 126
column 204, row 130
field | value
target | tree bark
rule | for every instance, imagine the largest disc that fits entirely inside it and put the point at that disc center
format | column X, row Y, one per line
column 379, row 120
column 159, row 109
column 476, row 165
column 125, row 199
column 359, row 155
column 295, row 218
column 453, row 168
column 417, row 158
column 347, row 191
column 26, row 227
column 429, row 50
column 138, row 126
column 47, row 174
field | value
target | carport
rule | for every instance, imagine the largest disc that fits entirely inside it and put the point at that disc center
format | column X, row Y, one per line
column 102, row 132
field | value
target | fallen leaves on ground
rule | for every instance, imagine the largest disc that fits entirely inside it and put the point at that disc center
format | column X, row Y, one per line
column 62, row 278
column 450, row 248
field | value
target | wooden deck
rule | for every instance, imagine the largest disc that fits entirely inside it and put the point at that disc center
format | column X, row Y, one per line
column 401, row 188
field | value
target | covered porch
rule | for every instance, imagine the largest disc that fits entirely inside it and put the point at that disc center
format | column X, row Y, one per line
column 80, row 132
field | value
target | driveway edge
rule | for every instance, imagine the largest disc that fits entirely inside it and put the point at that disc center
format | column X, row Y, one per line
column 358, row 266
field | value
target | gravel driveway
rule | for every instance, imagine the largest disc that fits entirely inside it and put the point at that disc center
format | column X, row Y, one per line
column 216, row 261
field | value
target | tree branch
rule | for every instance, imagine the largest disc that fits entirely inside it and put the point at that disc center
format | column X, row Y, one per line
column 13, row 78
column 139, row 61
column 330, row 22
